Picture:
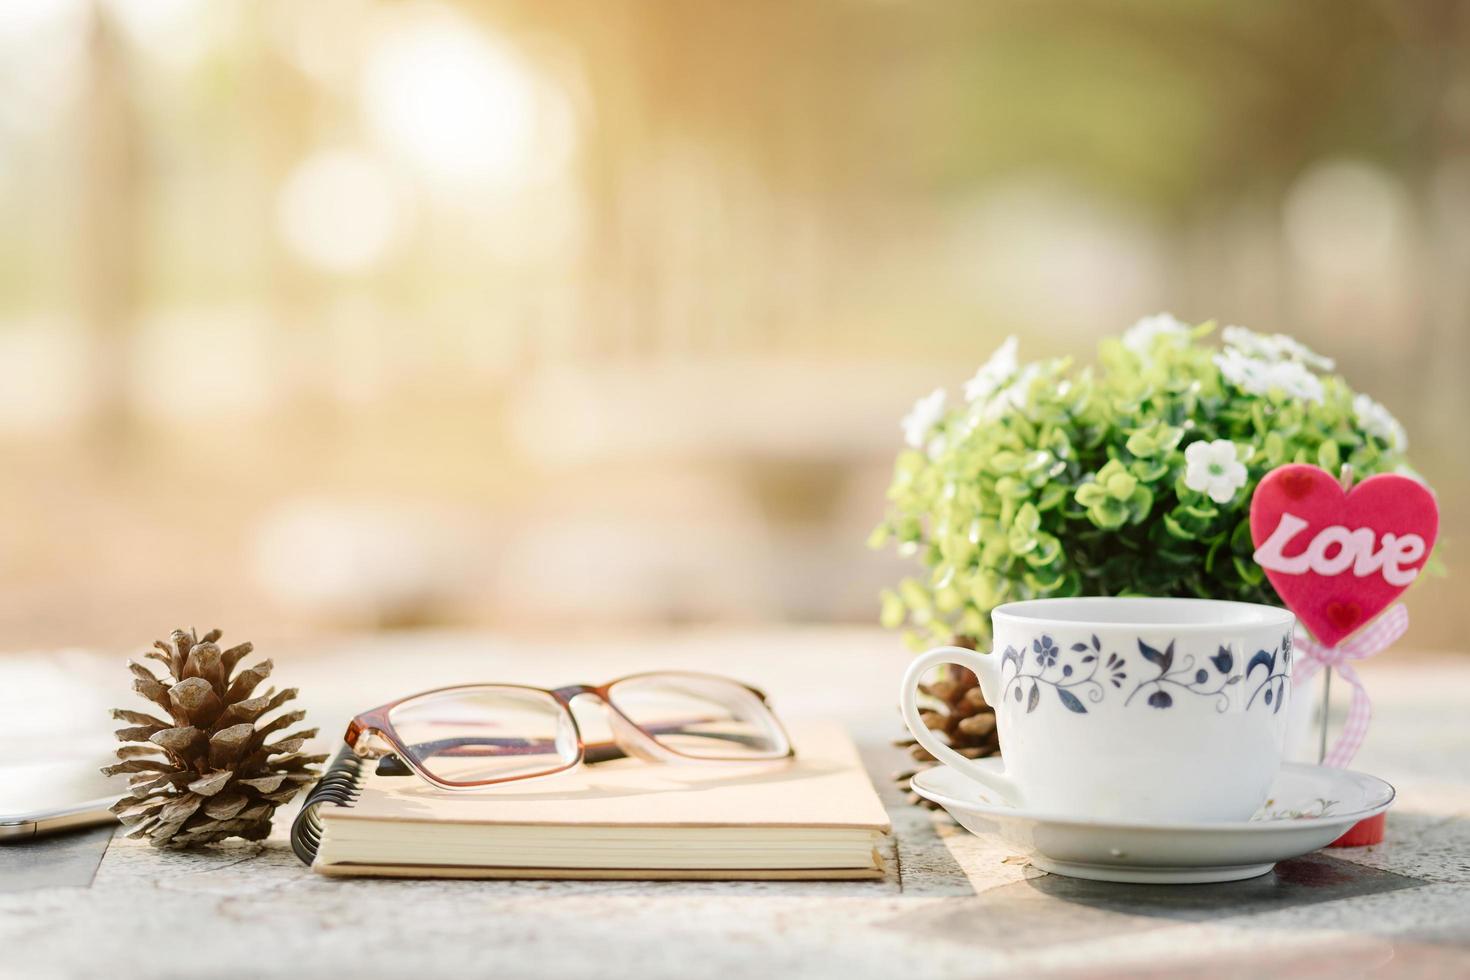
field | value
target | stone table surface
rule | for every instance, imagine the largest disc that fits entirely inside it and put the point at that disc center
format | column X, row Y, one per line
column 952, row 905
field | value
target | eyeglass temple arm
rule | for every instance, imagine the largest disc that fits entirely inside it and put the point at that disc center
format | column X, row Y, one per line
column 593, row 752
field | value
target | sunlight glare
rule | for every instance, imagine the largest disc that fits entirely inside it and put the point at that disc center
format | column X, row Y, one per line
column 459, row 105
column 174, row 33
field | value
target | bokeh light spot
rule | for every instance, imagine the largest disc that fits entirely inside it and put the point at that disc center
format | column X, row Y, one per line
column 337, row 211
column 457, row 104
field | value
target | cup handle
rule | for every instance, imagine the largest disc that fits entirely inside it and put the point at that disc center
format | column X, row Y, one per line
column 908, row 699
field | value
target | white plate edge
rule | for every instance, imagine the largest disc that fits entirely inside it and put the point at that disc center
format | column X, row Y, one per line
column 1002, row 812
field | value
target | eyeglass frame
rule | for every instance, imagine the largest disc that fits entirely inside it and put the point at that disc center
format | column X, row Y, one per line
column 629, row 738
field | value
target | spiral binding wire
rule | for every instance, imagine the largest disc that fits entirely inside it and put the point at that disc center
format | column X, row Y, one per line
column 339, row 786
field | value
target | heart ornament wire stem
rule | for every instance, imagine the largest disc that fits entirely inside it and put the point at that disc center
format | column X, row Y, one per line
column 1345, row 478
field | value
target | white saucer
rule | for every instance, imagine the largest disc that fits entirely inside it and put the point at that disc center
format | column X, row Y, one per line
column 1309, row 807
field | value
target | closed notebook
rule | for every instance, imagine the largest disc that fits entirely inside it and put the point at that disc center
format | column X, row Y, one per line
column 815, row 816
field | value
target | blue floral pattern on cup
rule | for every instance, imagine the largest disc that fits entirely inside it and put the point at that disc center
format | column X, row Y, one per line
column 1081, row 675
column 1272, row 689
column 1186, row 677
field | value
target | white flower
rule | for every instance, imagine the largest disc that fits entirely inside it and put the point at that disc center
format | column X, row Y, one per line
column 1213, row 468
column 993, row 373
column 1258, row 363
column 1273, row 348
column 1140, row 337
column 1013, row 395
column 1248, row 342
column 1297, row 381
column 1246, row 373
column 1257, row 377
column 920, row 422
column 1378, row 421
column 1298, row 351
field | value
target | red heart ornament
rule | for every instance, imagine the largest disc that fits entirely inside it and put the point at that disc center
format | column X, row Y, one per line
column 1338, row 559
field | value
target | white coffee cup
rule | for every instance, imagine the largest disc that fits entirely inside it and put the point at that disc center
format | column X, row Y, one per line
column 1158, row 710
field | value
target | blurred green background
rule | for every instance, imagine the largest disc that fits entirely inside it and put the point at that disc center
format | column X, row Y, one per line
column 583, row 315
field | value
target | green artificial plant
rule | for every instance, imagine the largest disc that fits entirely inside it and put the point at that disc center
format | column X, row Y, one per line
column 1130, row 478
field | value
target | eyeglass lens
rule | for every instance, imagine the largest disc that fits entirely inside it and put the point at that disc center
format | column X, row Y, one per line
column 700, row 717
column 478, row 734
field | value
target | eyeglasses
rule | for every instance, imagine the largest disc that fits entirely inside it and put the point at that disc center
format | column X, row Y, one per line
column 476, row 735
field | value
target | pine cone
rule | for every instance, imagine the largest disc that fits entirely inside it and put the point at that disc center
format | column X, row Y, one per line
column 207, row 774
column 962, row 716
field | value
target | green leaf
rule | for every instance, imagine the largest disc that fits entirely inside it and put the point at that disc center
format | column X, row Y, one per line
column 1215, row 545
column 1176, row 529
column 1328, row 457
column 879, row 536
column 1044, row 584
column 914, row 595
column 1149, row 471
column 1046, row 551
column 1009, row 486
column 892, row 614
column 948, row 599
column 1141, row 444
column 1240, row 538
column 1274, row 449
column 1090, row 494
column 1120, row 485
column 1249, row 571
column 1169, row 437
column 1109, row 513
column 1139, row 504
column 1005, row 461
column 1258, row 416
column 1052, row 495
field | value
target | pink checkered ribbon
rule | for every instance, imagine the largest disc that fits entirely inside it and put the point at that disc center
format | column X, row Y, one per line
column 1312, row 656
